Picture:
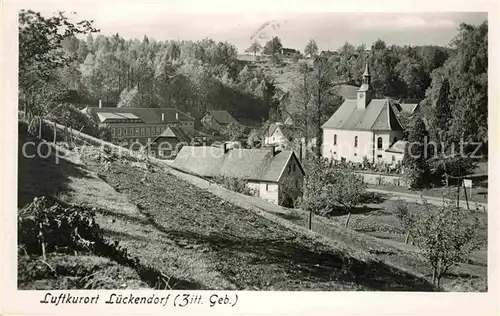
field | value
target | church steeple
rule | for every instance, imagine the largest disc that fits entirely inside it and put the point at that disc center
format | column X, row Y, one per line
column 365, row 92
column 366, row 75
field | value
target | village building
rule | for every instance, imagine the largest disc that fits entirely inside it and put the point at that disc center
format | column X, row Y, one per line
column 217, row 120
column 362, row 127
column 142, row 125
column 395, row 153
column 273, row 175
column 170, row 142
column 278, row 134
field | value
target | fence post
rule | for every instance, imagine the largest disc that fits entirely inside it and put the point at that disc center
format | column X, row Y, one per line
column 347, row 220
column 40, row 128
column 55, row 134
column 309, row 220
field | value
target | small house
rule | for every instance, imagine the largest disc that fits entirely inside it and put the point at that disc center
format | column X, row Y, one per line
column 217, row 120
column 273, row 175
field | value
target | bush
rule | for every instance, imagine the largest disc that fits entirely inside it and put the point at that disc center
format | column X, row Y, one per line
column 234, row 184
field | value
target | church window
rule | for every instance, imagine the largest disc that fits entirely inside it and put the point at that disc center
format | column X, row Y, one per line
column 379, row 143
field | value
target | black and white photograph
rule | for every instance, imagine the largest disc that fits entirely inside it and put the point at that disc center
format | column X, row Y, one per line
column 249, row 151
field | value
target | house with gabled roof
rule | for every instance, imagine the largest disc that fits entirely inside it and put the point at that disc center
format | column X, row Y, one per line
column 138, row 124
column 273, row 175
column 217, row 120
column 170, row 142
column 362, row 127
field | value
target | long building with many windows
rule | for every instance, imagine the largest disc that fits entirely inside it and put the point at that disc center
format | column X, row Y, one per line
column 139, row 124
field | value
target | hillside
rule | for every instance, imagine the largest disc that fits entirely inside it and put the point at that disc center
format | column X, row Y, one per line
column 193, row 238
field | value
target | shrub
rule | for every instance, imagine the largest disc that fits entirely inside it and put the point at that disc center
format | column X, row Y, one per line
column 68, row 115
column 234, row 184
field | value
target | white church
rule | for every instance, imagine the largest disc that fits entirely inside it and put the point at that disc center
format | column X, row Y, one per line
column 364, row 127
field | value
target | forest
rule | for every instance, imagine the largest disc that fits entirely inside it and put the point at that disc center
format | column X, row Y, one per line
column 81, row 66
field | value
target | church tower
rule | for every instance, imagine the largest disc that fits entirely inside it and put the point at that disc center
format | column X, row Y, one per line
column 365, row 93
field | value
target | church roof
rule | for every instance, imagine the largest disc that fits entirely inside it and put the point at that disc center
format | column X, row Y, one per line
column 378, row 115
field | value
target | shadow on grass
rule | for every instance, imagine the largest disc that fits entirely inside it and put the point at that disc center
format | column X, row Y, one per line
column 39, row 176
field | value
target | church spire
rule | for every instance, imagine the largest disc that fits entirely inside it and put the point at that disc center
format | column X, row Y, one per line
column 365, row 93
column 366, row 74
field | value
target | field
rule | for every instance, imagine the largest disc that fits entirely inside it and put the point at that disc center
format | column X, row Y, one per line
column 193, row 237
column 197, row 235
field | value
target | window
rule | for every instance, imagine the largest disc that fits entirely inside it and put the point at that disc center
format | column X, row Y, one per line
column 379, row 156
column 130, row 131
column 113, row 132
column 379, row 143
column 393, row 158
column 143, row 131
column 355, row 141
column 119, row 130
column 137, row 131
column 289, row 168
column 355, row 154
column 267, row 187
column 335, row 140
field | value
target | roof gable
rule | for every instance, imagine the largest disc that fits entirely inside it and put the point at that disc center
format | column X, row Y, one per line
column 222, row 117
column 378, row 115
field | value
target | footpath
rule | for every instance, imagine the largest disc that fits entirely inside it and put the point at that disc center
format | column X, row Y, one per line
column 415, row 198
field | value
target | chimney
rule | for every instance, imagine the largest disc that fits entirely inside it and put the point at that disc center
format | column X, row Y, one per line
column 163, row 117
column 100, row 104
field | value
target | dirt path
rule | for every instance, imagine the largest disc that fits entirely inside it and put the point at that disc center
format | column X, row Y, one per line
column 415, row 198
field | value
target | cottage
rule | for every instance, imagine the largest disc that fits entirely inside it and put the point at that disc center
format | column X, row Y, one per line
column 217, row 120
column 170, row 142
column 275, row 176
column 278, row 134
column 138, row 124
column 362, row 127
column 395, row 153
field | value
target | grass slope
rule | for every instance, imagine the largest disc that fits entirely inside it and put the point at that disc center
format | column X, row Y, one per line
column 199, row 240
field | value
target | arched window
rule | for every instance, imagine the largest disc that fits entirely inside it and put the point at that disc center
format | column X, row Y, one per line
column 355, row 141
column 379, row 143
column 335, row 140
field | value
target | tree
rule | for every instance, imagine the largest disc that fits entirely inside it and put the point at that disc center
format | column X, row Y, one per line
column 446, row 236
column 415, row 157
column 129, row 98
column 327, row 187
column 311, row 48
column 254, row 48
column 254, row 139
column 273, row 46
column 41, row 54
column 235, row 132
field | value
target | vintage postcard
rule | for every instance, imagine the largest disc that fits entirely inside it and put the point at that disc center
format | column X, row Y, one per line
column 262, row 157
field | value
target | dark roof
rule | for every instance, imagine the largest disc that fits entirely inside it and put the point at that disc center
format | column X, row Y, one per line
column 379, row 114
column 146, row 115
column 247, row 164
column 398, row 147
column 174, row 132
column 222, row 117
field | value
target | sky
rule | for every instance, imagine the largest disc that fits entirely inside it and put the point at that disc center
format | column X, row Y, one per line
column 224, row 21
